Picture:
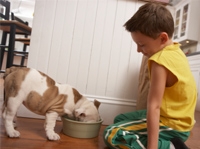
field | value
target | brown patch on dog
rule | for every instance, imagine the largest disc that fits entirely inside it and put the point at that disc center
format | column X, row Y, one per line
column 77, row 95
column 10, row 70
column 49, row 102
column 14, row 77
column 59, row 106
column 33, row 101
column 50, row 81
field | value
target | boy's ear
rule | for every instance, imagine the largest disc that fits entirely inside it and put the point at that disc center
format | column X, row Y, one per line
column 97, row 103
column 164, row 37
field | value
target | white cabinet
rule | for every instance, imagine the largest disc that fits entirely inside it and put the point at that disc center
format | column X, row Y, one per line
column 194, row 62
column 187, row 21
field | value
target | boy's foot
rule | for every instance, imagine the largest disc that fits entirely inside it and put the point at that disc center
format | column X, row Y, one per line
column 178, row 143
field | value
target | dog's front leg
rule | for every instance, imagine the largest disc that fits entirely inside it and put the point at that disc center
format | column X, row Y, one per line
column 50, row 124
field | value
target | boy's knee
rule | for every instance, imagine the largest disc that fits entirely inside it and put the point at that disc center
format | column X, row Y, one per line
column 118, row 118
column 105, row 134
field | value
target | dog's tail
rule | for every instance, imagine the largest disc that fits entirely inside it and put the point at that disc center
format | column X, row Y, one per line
column 10, row 70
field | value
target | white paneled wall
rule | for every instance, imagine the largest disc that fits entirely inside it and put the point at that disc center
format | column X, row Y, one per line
column 84, row 43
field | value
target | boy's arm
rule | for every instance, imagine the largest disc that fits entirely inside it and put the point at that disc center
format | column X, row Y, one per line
column 156, row 91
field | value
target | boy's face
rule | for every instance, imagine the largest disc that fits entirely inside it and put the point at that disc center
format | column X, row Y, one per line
column 145, row 44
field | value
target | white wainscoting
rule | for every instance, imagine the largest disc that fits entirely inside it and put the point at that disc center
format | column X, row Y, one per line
column 83, row 43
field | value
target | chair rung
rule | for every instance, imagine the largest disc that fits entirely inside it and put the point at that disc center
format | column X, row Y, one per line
column 2, row 71
column 22, row 55
column 21, row 52
column 3, row 46
column 18, row 65
column 23, row 40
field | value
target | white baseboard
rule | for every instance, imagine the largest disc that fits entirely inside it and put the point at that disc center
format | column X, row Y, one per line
column 109, row 108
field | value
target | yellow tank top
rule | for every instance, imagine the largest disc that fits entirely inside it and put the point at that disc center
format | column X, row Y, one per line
column 179, row 100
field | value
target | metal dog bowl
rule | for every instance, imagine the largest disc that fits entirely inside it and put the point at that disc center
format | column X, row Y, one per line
column 79, row 129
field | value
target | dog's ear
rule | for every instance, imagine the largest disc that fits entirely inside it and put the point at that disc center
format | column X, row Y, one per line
column 80, row 113
column 97, row 103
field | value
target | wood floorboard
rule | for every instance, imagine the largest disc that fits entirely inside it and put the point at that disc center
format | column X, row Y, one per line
column 33, row 135
column 194, row 140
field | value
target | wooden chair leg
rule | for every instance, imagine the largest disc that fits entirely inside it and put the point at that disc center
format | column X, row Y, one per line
column 2, row 49
column 23, row 57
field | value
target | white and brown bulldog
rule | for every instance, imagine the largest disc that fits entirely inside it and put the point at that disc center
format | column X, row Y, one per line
column 42, row 95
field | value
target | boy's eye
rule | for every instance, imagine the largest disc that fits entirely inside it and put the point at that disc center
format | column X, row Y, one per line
column 141, row 45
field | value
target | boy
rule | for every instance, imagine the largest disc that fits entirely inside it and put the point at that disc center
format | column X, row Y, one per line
column 172, row 96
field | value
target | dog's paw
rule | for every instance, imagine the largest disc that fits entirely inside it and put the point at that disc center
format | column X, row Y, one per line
column 53, row 136
column 14, row 124
column 13, row 134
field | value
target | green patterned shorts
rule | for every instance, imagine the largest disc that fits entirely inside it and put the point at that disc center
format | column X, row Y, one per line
column 129, row 131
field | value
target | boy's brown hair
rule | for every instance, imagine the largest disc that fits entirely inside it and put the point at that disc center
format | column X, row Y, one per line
column 151, row 19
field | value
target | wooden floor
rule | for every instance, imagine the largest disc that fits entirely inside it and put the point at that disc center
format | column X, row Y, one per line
column 33, row 136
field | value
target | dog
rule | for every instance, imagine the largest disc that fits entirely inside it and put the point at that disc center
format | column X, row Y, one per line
column 42, row 95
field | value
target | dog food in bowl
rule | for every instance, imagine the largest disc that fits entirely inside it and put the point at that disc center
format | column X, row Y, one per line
column 79, row 129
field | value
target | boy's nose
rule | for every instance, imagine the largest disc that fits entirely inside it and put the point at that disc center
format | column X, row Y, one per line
column 138, row 49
